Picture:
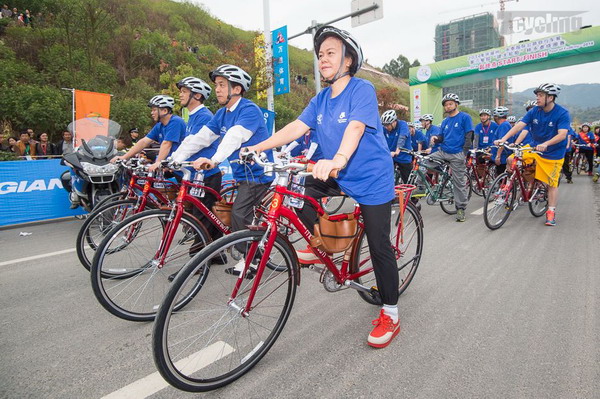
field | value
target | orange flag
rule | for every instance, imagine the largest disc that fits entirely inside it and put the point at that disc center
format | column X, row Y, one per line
column 89, row 108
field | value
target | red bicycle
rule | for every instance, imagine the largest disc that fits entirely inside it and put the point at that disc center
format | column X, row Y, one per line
column 512, row 187
column 144, row 190
column 135, row 263
column 481, row 173
column 232, row 322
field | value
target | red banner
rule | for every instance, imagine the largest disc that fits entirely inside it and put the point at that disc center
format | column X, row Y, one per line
column 89, row 107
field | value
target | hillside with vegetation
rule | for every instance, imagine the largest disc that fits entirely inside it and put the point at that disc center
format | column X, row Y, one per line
column 132, row 49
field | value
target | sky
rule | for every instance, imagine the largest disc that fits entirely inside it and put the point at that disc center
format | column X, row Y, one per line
column 408, row 27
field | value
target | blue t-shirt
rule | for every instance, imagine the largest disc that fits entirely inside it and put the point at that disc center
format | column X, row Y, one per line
column 453, row 132
column 250, row 117
column 571, row 136
column 174, row 131
column 527, row 140
column 399, row 138
column 487, row 135
column 369, row 175
column 503, row 128
column 545, row 126
column 198, row 119
column 417, row 138
column 432, row 131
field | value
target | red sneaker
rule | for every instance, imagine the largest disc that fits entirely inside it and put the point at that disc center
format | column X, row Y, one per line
column 308, row 257
column 385, row 330
column 550, row 218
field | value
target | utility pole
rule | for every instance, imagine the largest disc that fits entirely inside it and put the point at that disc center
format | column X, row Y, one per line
column 268, row 55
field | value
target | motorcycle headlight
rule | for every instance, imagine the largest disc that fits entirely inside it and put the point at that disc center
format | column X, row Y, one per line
column 109, row 168
column 90, row 169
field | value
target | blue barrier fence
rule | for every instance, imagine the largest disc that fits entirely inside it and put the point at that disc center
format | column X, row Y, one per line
column 32, row 191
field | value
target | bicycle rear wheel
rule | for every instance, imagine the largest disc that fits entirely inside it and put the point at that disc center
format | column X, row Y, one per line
column 499, row 202
column 211, row 343
column 538, row 204
column 131, row 255
column 97, row 225
column 406, row 236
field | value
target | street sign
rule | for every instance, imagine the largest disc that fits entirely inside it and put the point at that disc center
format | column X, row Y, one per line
column 369, row 16
column 281, row 69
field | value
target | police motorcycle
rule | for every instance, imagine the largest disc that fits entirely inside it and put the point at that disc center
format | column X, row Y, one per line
column 92, row 177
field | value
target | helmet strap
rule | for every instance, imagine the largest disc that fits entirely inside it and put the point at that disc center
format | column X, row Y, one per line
column 230, row 95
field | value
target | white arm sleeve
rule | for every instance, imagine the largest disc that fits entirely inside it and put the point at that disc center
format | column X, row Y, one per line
column 232, row 141
column 194, row 143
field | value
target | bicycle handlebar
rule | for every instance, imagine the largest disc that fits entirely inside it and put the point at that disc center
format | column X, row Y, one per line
column 519, row 147
column 303, row 169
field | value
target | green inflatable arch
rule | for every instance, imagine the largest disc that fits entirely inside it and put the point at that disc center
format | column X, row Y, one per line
column 426, row 81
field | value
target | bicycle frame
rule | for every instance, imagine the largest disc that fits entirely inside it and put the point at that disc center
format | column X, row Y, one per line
column 517, row 175
column 431, row 187
column 276, row 211
column 472, row 167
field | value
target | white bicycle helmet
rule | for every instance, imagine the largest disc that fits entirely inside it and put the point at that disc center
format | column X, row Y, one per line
column 162, row 101
column 233, row 74
column 388, row 117
column 418, row 125
column 426, row 117
column 195, row 85
column 501, row 112
column 512, row 119
column 485, row 111
column 548, row 88
column 410, row 124
column 450, row 97
column 530, row 104
column 351, row 45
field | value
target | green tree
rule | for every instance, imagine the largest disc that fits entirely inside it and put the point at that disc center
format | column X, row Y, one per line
column 398, row 67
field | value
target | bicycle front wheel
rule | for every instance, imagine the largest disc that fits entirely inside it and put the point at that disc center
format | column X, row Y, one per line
column 406, row 236
column 213, row 341
column 499, row 202
column 98, row 224
column 447, row 194
column 139, row 264
column 538, row 204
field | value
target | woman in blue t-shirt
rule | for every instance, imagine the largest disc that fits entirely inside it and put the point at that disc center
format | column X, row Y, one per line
column 350, row 135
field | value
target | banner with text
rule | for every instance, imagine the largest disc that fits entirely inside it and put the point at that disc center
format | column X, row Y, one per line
column 32, row 190
column 281, row 68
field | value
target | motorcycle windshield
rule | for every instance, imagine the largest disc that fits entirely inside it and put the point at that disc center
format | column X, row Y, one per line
column 89, row 128
column 99, row 147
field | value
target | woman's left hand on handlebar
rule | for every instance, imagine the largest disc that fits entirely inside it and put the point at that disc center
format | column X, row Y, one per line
column 203, row 164
column 323, row 168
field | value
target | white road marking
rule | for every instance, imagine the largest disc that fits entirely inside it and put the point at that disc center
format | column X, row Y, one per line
column 154, row 382
column 478, row 212
column 11, row 262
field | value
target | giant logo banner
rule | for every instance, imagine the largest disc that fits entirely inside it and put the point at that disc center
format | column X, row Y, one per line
column 32, row 191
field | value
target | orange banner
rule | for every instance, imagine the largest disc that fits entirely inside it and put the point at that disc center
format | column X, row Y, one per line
column 89, row 107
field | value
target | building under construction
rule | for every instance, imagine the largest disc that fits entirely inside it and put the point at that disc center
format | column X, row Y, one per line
column 470, row 35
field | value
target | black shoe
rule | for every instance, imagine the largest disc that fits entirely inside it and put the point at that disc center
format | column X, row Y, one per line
column 249, row 275
column 220, row 259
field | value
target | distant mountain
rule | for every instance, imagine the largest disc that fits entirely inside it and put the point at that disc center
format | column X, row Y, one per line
column 582, row 96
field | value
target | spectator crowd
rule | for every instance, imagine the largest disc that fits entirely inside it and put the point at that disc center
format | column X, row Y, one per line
column 24, row 18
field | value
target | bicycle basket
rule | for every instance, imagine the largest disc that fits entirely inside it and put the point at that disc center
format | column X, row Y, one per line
column 222, row 210
column 335, row 233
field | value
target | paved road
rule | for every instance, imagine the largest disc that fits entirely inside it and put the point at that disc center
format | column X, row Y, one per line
column 511, row 313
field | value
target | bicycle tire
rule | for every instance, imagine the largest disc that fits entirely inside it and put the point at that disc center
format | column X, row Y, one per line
column 137, row 283
column 538, row 205
column 86, row 240
column 502, row 200
column 412, row 227
column 228, row 343
column 448, row 205
column 121, row 195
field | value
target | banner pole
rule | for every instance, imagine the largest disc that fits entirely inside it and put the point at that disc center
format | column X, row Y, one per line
column 72, row 110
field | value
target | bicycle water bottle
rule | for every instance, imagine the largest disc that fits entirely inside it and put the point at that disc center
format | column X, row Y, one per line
column 198, row 179
column 297, row 186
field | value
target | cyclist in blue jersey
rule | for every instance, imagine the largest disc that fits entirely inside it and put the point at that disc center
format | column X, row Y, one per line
column 549, row 123
column 397, row 137
column 500, row 155
column 417, row 138
column 350, row 135
column 525, row 137
column 168, row 131
column 239, row 122
column 485, row 134
column 193, row 92
column 512, row 120
column 453, row 132
column 430, row 130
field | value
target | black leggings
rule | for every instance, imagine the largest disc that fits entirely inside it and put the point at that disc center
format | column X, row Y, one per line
column 589, row 154
column 377, row 220
column 209, row 200
column 566, row 168
column 404, row 169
